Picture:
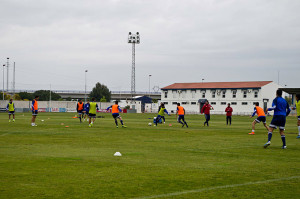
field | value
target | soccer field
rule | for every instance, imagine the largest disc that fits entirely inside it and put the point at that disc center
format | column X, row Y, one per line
column 219, row 161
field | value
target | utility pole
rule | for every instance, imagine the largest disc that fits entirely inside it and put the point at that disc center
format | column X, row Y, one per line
column 3, row 81
column 7, row 78
column 14, row 79
column 50, row 100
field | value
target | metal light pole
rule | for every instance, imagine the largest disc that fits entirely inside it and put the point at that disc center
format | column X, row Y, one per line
column 149, row 84
column 3, row 81
column 202, row 80
column 50, row 99
column 7, row 65
column 133, row 39
column 85, row 85
column 14, row 79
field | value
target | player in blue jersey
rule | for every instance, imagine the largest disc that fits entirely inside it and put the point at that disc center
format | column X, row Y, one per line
column 86, row 109
column 281, row 110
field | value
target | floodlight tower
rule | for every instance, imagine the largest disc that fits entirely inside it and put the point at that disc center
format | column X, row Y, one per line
column 133, row 39
column 7, row 65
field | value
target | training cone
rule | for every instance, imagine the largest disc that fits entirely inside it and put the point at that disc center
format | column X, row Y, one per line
column 170, row 124
column 117, row 154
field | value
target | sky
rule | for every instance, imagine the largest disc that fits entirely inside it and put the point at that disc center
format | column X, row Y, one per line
column 53, row 42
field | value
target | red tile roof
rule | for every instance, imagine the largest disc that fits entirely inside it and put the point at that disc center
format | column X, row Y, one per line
column 216, row 85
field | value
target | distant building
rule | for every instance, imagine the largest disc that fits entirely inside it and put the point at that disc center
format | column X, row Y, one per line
column 241, row 95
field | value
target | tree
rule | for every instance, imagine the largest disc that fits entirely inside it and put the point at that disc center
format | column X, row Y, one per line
column 25, row 95
column 45, row 95
column 103, row 99
column 17, row 97
column 6, row 96
column 100, row 91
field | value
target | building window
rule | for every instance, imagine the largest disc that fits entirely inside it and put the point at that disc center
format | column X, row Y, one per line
column 174, row 103
column 213, row 94
column 244, row 94
column 256, row 94
column 244, row 103
column 166, row 94
column 165, row 102
column 193, row 94
column 184, row 102
column 193, row 103
column 233, row 103
column 203, row 95
column 223, row 94
column 234, row 94
column 213, row 103
column 223, row 103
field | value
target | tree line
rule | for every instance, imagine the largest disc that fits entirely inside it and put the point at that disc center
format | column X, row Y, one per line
column 100, row 92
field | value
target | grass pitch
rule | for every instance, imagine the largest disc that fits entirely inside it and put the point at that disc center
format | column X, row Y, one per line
column 54, row 161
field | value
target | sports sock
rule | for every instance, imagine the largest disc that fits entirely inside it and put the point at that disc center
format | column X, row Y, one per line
column 253, row 130
column 269, row 136
column 283, row 140
column 116, row 122
column 299, row 130
column 121, row 122
column 186, row 124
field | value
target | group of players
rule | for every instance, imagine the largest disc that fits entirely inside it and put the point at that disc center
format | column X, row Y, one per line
column 279, row 106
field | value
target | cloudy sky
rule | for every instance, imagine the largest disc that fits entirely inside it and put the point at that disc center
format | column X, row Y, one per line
column 54, row 42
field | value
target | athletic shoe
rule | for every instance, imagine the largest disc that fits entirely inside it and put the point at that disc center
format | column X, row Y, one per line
column 117, row 126
column 283, row 147
column 124, row 126
column 298, row 136
column 252, row 133
column 267, row 144
column 8, row 120
column 90, row 125
column 182, row 125
column 13, row 120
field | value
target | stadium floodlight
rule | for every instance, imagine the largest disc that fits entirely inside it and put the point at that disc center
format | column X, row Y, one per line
column 133, row 39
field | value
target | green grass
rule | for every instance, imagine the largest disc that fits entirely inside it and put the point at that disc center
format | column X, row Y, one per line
column 53, row 161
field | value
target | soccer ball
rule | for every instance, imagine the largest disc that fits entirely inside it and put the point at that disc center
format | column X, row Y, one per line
column 149, row 124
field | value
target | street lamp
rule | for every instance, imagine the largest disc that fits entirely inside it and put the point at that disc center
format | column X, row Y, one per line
column 85, row 86
column 202, row 80
column 149, row 84
column 7, row 65
column 3, row 81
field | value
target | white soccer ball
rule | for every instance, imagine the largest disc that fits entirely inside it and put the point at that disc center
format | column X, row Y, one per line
column 149, row 124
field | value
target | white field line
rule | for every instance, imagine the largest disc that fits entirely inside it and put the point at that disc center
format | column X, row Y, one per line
column 5, row 134
column 214, row 188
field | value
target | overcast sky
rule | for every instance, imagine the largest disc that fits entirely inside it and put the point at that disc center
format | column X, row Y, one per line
column 54, row 42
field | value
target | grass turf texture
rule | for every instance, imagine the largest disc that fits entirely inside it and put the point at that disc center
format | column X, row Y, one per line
column 52, row 161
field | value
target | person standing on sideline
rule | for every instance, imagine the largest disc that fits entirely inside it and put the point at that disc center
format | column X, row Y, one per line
column 79, row 108
column 11, row 110
column 206, row 110
column 298, row 112
column 93, row 107
column 115, row 110
column 181, row 112
column 161, row 113
column 34, row 109
column 228, row 111
column 261, row 118
column 281, row 111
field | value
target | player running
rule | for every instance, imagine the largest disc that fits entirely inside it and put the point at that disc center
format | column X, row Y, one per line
column 261, row 118
column 181, row 112
column 281, row 111
column 162, row 117
column 206, row 110
column 79, row 108
column 34, row 109
column 11, row 110
column 228, row 111
column 298, row 112
column 86, row 109
column 161, row 113
column 115, row 110
column 93, row 107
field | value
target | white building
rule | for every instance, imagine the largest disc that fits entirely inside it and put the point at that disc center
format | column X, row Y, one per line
column 241, row 96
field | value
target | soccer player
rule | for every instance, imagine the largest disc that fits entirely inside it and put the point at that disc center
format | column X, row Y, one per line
column 11, row 110
column 86, row 109
column 34, row 109
column 162, row 116
column 281, row 110
column 298, row 112
column 206, row 110
column 181, row 112
column 93, row 107
column 161, row 113
column 261, row 118
column 115, row 110
column 79, row 108
column 228, row 111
